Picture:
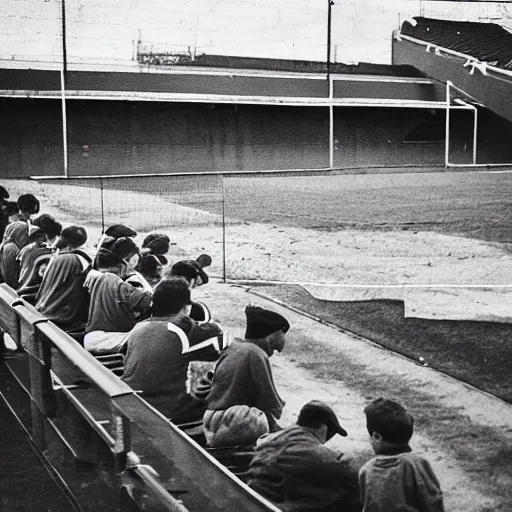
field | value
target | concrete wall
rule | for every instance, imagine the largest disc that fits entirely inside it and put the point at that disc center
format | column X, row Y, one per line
column 118, row 137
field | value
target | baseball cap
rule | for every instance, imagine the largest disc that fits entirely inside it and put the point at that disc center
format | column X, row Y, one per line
column 319, row 411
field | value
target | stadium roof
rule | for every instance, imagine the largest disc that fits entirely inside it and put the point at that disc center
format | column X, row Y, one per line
column 475, row 57
column 487, row 42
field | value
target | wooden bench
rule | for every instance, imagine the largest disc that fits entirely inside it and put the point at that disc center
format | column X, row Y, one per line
column 54, row 370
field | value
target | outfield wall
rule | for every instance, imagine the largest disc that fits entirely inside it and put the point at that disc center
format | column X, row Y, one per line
column 118, row 137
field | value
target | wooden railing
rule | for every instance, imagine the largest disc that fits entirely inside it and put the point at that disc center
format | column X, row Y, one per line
column 53, row 369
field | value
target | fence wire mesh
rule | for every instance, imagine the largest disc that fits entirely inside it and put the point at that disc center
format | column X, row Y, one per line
column 356, row 232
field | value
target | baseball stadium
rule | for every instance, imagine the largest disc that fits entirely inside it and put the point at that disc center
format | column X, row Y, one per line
column 256, row 256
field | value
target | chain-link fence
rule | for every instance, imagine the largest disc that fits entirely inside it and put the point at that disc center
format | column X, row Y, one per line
column 358, row 229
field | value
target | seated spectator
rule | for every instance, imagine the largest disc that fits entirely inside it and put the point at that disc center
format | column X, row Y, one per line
column 396, row 479
column 44, row 232
column 115, row 231
column 15, row 238
column 115, row 306
column 293, row 469
column 61, row 296
column 149, row 269
column 243, row 402
column 159, row 351
column 192, row 271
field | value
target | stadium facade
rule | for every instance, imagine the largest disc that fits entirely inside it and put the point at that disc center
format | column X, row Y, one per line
column 75, row 103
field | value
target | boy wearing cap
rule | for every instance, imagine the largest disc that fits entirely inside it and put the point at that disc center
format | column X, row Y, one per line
column 115, row 306
column 293, row 469
column 243, row 402
column 159, row 351
column 396, row 479
column 61, row 296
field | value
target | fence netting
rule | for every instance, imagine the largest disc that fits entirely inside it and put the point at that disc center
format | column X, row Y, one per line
column 391, row 228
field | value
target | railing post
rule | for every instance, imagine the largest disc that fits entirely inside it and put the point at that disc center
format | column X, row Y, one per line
column 42, row 400
column 123, row 441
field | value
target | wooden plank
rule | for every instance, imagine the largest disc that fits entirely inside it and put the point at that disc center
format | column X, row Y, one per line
column 178, row 449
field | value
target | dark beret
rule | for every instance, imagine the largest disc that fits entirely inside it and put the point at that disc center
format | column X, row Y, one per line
column 120, row 231
column 262, row 322
column 156, row 243
column 189, row 269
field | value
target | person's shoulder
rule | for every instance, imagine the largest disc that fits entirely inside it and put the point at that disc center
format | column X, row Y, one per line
column 207, row 328
column 369, row 465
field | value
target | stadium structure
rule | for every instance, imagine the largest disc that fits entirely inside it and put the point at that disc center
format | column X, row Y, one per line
column 442, row 100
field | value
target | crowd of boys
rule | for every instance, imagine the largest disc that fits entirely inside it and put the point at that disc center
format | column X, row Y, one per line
column 128, row 299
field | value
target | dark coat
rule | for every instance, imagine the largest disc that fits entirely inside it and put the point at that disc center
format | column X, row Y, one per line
column 293, row 469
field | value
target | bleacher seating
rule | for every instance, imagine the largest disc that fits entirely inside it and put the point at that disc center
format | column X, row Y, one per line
column 58, row 376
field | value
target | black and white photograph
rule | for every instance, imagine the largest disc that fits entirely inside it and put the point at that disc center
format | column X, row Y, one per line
column 256, row 256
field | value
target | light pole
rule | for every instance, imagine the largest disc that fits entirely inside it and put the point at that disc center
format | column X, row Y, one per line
column 63, row 81
column 330, row 3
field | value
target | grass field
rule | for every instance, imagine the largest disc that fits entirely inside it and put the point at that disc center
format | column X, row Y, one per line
column 478, row 353
column 472, row 204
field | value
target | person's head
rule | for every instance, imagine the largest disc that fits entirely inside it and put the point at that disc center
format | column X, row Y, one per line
column 125, row 249
column 319, row 416
column 36, row 234
column 151, row 267
column 4, row 195
column 189, row 270
column 171, row 297
column 264, row 324
column 156, row 243
column 116, row 254
column 12, row 210
column 49, row 226
column 72, row 237
column 204, row 260
column 28, row 205
column 388, row 423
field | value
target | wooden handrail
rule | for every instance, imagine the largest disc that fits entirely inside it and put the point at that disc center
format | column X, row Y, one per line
column 224, row 489
column 102, row 378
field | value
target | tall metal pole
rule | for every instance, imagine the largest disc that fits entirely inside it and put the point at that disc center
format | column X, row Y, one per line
column 475, row 133
column 223, row 230
column 330, row 3
column 330, row 85
column 64, row 121
column 63, row 82
column 447, row 127
column 64, row 46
